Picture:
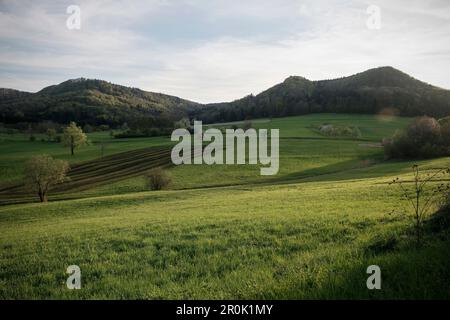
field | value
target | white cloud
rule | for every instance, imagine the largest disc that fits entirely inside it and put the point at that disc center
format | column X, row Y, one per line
column 116, row 43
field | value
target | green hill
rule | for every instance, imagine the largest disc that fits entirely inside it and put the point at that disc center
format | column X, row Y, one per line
column 11, row 94
column 93, row 102
column 374, row 91
column 97, row 102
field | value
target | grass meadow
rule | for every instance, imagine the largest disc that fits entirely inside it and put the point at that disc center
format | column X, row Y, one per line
column 225, row 232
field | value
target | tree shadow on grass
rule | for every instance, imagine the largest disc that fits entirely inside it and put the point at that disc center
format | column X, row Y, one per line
column 406, row 273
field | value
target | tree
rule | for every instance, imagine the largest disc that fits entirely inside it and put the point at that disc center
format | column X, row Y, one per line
column 247, row 124
column 30, row 132
column 102, row 149
column 183, row 123
column 88, row 128
column 424, row 130
column 42, row 172
column 125, row 127
column 51, row 134
column 74, row 137
column 422, row 198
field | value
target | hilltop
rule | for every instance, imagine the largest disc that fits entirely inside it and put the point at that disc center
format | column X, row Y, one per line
column 97, row 102
column 369, row 92
column 90, row 101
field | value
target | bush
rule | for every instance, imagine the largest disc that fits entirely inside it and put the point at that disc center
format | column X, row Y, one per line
column 88, row 128
column 327, row 130
column 424, row 129
column 356, row 132
column 184, row 123
column 130, row 134
column 423, row 195
column 103, row 127
column 399, row 146
column 154, row 132
column 247, row 125
column 151, row 132
column 158, row 179
column 51, row 133
column 423, row 138
column 445, row 133
column 339, row 131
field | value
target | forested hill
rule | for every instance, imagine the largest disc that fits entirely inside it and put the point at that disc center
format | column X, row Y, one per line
column 377, row 90
column 98, row 102
column 11, row 94
column 93, row 102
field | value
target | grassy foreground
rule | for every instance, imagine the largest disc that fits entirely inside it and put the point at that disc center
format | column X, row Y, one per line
column 225, row 232
column 307, row 240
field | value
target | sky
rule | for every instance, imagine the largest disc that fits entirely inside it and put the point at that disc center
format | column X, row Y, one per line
column 219, row 50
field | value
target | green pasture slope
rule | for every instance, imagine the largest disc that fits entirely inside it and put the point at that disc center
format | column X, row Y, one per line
column 224, row 231
column 16, row 149
column 303, row 153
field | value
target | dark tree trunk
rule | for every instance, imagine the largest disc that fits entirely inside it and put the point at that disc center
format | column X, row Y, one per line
column 42, row 196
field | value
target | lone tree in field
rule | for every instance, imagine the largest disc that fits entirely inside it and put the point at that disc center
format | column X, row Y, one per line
column 74, row 137
column 42, row 172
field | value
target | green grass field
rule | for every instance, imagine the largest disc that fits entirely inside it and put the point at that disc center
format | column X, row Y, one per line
column 225, row 231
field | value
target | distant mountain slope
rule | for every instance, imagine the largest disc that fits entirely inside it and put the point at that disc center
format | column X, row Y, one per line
column 11, row 94
column 98, row 102
column 371, row 92
column 91, row 101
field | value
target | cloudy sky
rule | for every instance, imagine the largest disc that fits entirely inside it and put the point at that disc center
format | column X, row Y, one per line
column 219, row 50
